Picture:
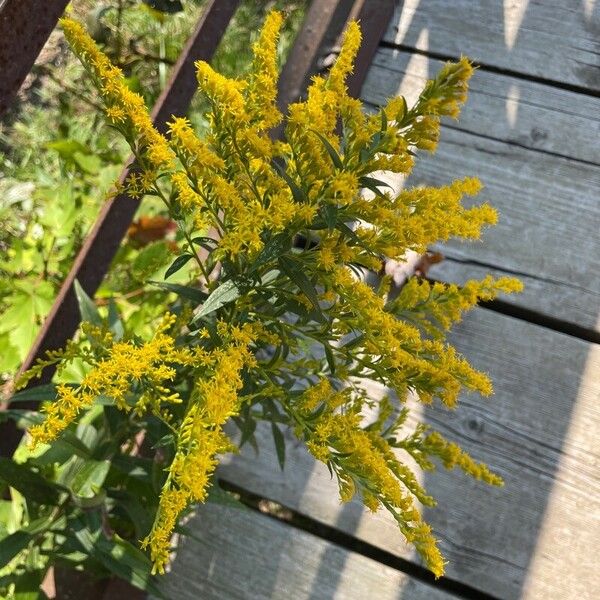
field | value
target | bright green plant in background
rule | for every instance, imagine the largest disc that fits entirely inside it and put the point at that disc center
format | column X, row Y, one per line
column 275, row 323
column 57, row 164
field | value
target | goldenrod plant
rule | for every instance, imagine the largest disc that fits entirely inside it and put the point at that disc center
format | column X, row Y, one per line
column 277, row 323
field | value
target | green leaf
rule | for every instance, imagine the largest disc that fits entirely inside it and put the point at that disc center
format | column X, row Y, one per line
column 20, row 322
column 89, row 478
column 279, row 444
column 66, row 148
column 189, row 293
column 88, row 163
column 225, row 293
column 273, row 249
column 135, row 509
column 404, row 111
column 32, row 485
column 114, row 320
column 151, row 259
column 206, row 242
column 373, row 184
column 330, row 215
column 40, row 393
column 335, row 157
column 293, row 269
column 384, row 122
column 27, row 585
column 247, row 427
column 177, row 264
column 330, row 358
column 129, row 563
column 87, row 308
column 63, row 449
column 297, row 193
column 115, row 554
column 166, row 440
column 12, row 544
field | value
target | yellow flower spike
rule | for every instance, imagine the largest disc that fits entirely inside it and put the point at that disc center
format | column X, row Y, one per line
column 124, row 107
column 201, row 437
column 224, row 92
column 262, row 89
column 343, row 66
column 193, row 152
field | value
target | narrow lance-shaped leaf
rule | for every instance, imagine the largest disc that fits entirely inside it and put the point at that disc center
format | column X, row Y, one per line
column 185, row 291
column 87, row 307
column 224, row 294
column 32, row 485
column 297, row 194
column 335, row 157
column 279, row 444
column 293, row 270
column 177, row 264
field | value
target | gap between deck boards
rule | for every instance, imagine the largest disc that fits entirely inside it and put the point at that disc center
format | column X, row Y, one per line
column 570, row 87
column 303, row 522
column 528, row 315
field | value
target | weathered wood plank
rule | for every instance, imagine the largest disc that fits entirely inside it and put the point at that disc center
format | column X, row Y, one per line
column 554, row 39
column 548, row 227
column 529, row 114
column 537, row 537
column 548, row 204
column 565, row 306
column 241, row 554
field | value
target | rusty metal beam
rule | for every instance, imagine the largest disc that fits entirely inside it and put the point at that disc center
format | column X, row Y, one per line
column 25, row 25
column 102, row 242
column 374, row 17
column 323, row 23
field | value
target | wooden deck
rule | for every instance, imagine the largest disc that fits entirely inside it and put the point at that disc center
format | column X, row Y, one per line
column 531, row 132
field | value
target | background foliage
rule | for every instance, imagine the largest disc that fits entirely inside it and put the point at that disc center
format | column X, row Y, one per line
column 57, row 162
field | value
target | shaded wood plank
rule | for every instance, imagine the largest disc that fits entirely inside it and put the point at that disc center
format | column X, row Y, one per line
column 241, row 554
column 529, row 114
column 548, row 204
column 555, row 39
column 548, row 224
column 535, row 538
column 564, row 306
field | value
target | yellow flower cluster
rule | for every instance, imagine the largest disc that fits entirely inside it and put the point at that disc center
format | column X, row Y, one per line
column 436, row 306
column 365, row 463
column 262, row 88
column 125, row 363
column 125, row 109
column 442, row 96
column 200, row 437
column 408, row 361
column 259, row 195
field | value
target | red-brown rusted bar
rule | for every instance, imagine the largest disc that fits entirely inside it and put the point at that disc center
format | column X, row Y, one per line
column 374, row 17
column 322, row 25
column 102, row 242
column 25, row 25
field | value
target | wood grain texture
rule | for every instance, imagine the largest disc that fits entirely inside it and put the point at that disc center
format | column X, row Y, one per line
column 549, row 212
column 555, row 39
column 511, row 135
column 242, row 554
column 532, row 539
column 525, row 113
